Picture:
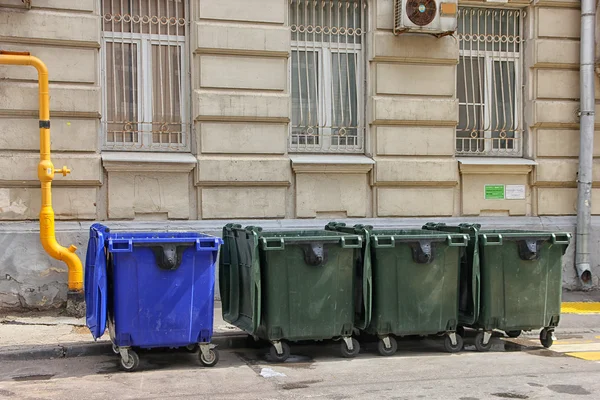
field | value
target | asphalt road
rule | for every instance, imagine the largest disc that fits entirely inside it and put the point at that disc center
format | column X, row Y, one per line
column 519, row 369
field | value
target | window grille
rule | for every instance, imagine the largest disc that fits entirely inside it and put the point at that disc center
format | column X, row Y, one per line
column 144, row 75
column 327, row 75
column 489, row 82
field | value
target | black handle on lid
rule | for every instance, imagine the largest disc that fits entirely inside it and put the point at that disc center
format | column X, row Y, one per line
column 169, row 255
column 422, row 251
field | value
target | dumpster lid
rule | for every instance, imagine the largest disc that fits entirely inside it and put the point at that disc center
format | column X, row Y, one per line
column 95, row 281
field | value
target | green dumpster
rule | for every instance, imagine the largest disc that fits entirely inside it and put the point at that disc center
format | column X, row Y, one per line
column 292, row 286
column 415, row 283
column 521, row 280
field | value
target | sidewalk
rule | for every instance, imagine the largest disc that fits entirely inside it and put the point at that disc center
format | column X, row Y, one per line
column 31, row 337
column 46, row 337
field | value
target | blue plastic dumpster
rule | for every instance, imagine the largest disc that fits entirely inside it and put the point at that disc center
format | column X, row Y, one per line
column 152, row 290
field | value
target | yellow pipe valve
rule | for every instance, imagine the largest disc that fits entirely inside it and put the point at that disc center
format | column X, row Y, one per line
column 64, row 171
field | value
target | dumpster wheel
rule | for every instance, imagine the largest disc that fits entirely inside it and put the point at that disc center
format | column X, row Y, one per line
column 346, row 352
column 131, row 363
column 513, row 334
column 547, row 338
column 387, row 350
column 285, row 352
column 209, row 360
column 480, row 344
column 453, row 348
column 192, row 348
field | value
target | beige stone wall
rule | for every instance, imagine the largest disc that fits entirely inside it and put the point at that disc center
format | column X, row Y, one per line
column 553, row 58
column 241, row 108
column 414, row 110
column 239, row 165
column 65, row 35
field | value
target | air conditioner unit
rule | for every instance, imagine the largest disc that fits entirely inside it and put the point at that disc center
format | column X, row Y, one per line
column 435, row 17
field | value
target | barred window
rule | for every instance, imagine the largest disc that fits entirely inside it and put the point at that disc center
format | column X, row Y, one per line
column 327, row 75
column 145, row 99
column 489, row 82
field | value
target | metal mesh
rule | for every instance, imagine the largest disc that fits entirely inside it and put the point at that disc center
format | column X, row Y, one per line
column 327, row 75
column 144, row 75
column 489, row 82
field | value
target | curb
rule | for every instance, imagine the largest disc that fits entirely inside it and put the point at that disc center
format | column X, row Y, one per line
column 72, row 350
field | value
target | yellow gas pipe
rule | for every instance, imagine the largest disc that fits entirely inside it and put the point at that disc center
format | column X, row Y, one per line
column 46, row 173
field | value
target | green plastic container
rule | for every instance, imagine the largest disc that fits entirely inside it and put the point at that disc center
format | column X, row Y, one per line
column 292, row 286
column 415, row 283
column 521, row 280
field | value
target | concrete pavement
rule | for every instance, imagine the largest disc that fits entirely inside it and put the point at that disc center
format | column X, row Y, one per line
column 35, row 336
column 513, row 369
column 39, row 336
column 420, row 370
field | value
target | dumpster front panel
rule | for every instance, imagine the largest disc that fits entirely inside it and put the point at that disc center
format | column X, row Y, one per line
column 521, row 294
column 308, row 284
column 304, row 301
column 157, row 304
column 414, row 297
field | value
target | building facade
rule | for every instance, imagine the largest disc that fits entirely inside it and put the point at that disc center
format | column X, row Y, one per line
column 204, row 110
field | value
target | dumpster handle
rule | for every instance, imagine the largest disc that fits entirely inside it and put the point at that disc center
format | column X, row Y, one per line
column 377, row 244
column 453, row 242
column 491, row 239
column 120, row 245
column 279, row 244
column 561, row 238
column 208, row 245
column 355, row 242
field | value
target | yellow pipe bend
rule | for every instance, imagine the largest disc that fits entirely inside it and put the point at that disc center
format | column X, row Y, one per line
column 46, row 172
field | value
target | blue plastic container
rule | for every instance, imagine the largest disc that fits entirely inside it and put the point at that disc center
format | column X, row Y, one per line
column 154, row 289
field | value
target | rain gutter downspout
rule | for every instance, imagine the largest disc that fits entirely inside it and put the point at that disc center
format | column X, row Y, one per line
column 46, row 173
column 586, row 150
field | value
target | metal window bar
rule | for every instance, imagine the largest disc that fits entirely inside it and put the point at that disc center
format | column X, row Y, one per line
column 326, row 71
column 144, row 73
column 489, row 80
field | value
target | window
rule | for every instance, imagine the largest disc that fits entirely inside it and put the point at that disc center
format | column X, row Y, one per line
column 489, row 82
column 327, row 79
column 144, row 75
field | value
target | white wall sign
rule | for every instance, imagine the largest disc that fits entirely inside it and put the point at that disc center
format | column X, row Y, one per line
column 515, row 192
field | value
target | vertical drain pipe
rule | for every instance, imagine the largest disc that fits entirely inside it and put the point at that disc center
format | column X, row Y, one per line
column 586, row 138
column 46, row 173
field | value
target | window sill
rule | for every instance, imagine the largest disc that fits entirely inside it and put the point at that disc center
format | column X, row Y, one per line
column 331, row 163
column 495, row 166
column 148, row 162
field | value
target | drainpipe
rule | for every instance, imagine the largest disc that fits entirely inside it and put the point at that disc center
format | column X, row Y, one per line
column 46, row 173
column 586, row 150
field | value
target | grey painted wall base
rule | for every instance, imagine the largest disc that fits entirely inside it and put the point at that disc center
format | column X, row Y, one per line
column 31, row 280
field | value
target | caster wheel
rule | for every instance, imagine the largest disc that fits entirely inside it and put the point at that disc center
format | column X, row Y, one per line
column 192, row 348
column 387, row 351
column 451, row 348
column 115, row 349
column 280, row 357
column 479, row 343
column 211, row 360
column 132, row 362
column 546, row 338
column 346, row 352
column 513, row 334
